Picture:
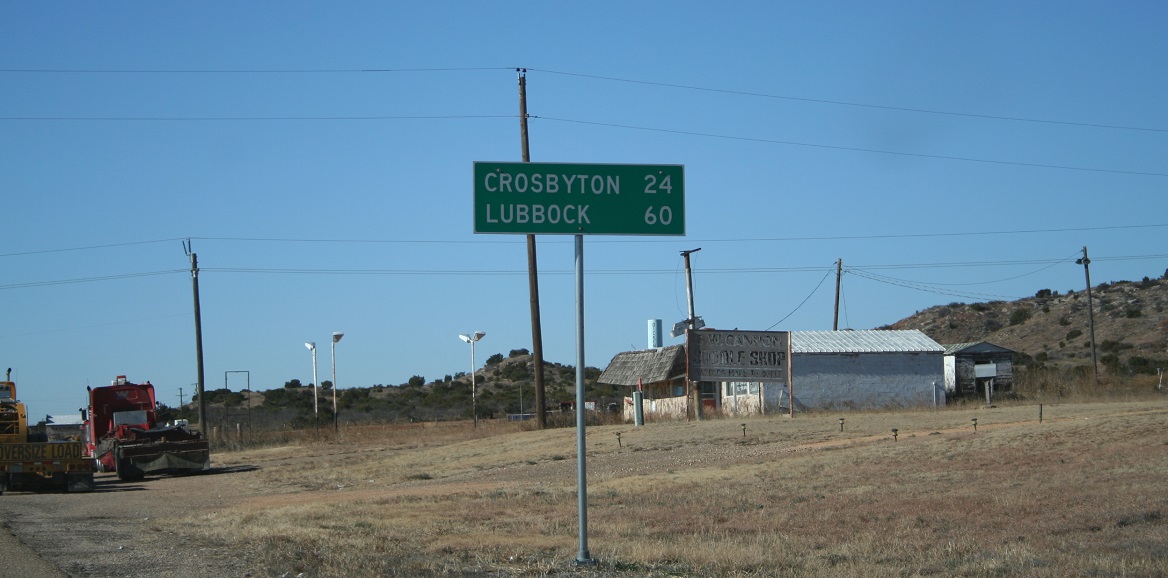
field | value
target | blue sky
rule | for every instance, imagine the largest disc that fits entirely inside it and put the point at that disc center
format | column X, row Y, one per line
column 319, row 157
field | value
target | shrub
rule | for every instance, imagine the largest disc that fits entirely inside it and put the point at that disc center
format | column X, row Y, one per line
column 1064, row 321
column 1019, row 316
column 515, row 372
column 1073, row 334
column 495, row 359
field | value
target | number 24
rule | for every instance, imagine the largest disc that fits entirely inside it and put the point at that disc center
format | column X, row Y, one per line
column 652, row 185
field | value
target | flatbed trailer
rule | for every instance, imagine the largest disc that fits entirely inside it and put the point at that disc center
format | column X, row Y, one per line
column 40, row 465
column 28, row 460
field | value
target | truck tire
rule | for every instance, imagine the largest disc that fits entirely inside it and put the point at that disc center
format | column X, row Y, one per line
column 126, row 469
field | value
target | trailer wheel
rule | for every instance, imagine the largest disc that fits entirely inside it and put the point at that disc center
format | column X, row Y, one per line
column 126, row 469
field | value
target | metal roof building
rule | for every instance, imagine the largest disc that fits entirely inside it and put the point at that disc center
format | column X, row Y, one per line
column 865, row 341
column 864, row 369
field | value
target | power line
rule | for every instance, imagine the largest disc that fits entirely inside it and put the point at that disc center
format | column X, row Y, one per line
column 854, row 104
column 852, row 149
column 571, row 121
column 107, row 246
column 252, row 118
column 860, row 270
column 242, row 70
column 804, row 301
column 1052, row 264
column 927, row 288
column 546, row 239
column 833, row 102
column 89, row 279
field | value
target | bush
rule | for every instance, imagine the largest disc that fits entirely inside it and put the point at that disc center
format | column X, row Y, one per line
column 1073, row 334
column 495, row 359
column 1019, row 316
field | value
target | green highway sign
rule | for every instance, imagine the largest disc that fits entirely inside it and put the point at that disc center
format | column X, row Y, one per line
column 579, row 199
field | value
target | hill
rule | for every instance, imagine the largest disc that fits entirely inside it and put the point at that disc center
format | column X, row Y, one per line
column 1052, row 331
column 1048, row 331
column 504, row 385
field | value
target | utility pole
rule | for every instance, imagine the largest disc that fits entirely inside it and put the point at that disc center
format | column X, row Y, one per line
column 689, row 286
column 839, row 269
column 694, row 395
column 180, row 403
column 198, row 337
column 1085, row 262
column 532, row 271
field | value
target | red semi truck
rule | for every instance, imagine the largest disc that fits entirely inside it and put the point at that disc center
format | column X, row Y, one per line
column 123, row 434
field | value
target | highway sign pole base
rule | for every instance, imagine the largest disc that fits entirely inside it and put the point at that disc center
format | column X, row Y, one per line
column 585, row 560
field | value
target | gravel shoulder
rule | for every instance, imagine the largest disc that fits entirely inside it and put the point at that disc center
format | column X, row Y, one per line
column 120, row 529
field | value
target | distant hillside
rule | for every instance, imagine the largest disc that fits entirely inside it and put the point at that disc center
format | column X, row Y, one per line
column 500, row 386
column 1052, row 330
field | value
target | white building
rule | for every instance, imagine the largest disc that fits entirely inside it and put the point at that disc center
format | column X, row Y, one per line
column 866, row 369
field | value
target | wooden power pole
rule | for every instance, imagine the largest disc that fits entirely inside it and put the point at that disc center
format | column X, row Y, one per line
column 532, row 272
column 198, row 339
column 1085, row 262
column 839, row 268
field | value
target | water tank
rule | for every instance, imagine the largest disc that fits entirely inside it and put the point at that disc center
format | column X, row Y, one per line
column 654, row 333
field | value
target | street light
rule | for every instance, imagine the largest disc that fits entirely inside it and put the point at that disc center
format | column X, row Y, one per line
column 337, row 335
column 311, row 345
column 471, row 339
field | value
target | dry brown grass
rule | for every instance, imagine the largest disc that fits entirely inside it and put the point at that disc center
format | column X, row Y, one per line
column 1083, row 493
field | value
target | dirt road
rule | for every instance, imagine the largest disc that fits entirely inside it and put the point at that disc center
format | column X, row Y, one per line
column 121, row 529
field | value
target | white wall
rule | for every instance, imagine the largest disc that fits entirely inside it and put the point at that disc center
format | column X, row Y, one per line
column 866, row 380
column 950, row 373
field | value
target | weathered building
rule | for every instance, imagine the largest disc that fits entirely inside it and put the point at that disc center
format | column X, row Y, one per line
column 829, row 369
column 866, row 369
column 661, row 375
column 971, row 367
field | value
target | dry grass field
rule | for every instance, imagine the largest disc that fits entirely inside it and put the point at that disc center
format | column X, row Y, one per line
column 1084, row 492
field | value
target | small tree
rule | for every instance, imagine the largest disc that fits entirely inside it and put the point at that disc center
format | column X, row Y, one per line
column 295, row 383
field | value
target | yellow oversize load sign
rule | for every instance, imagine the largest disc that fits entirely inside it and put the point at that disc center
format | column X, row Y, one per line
column 43, row 452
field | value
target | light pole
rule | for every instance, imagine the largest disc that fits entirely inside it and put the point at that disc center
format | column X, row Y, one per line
column 337, row 335
column 471, row 339
column 311, row 345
